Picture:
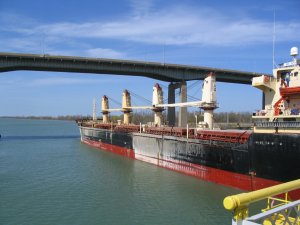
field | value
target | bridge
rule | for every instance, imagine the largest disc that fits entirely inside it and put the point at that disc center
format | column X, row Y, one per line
column 159, row 71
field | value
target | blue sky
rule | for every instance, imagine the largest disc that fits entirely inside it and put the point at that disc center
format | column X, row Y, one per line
column 223, row 34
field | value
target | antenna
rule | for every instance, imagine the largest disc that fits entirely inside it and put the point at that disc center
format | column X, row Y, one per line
column 274, row 32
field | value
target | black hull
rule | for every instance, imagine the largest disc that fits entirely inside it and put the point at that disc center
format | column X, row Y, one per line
column 274, row 157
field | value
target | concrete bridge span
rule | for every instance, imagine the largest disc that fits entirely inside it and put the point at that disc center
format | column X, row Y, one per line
column 159, row 71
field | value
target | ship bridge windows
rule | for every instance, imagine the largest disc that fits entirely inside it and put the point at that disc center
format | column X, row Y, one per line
column 284, row 73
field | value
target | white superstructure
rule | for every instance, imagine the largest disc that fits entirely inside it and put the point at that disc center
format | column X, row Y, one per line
column 281, row 111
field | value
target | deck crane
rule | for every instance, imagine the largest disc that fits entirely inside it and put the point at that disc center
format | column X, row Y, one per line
column 208, row 103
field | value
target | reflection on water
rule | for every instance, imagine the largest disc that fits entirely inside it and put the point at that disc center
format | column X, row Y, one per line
column 39, row 137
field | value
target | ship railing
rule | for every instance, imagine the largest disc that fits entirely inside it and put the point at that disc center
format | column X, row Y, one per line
column 274, row 202
column 278, row 211
column 285, row 124
column 279, row 215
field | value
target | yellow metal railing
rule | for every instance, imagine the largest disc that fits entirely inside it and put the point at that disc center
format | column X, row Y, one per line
column 274, row 202
column 239, row 203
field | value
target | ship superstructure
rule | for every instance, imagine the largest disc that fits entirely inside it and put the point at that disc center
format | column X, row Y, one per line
column 281, row 113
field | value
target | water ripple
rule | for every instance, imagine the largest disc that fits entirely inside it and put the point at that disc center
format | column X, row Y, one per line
column 40, row 137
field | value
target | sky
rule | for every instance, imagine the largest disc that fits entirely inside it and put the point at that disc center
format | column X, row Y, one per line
column 223, row 34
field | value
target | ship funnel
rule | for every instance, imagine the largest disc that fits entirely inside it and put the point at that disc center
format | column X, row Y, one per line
column 105, row 108
column 126, row 104
column 157, row 98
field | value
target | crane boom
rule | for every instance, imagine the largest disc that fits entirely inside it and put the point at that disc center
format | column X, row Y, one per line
column 182, row 104
column 139, row 107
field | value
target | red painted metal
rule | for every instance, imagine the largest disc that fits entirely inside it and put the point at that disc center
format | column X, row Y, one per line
column 231, row 179
column 276, row 106
column 225, row 136
column 115, row 127
column 233, row 136
column 286, row 93
column 111, row 148
column 127, row 128
column 170, row 131
column 106, row 126
column 289, row 91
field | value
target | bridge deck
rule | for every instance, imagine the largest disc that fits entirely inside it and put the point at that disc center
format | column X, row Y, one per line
column 158, row 71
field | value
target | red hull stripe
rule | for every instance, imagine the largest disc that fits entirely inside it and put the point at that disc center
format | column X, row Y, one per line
column 111, row 148
column 231, row 179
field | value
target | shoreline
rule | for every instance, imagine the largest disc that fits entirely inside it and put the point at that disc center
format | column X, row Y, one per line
column 68, row 118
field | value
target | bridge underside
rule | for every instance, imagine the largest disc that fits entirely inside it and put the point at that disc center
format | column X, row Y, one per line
column 158, row 71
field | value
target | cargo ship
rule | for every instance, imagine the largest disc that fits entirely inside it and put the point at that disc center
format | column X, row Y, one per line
column 252, row 159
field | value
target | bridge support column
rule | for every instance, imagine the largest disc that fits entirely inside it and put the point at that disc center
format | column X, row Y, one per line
column 263, row 102
column 171, row 99
column 182, row 120
column 183, row 110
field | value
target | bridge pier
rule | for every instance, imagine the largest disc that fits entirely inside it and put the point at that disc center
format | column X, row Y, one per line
column 171, row 99
column 263, row 100
column 182, row 120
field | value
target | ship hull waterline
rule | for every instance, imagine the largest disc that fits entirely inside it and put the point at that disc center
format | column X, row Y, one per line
column 228, row 178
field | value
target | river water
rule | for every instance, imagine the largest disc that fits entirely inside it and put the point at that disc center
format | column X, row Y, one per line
column 47, row 176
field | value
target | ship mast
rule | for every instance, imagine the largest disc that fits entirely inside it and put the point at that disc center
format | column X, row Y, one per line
column 157, row 99
column 209, row 99
column 105, row 109
column 126, row 104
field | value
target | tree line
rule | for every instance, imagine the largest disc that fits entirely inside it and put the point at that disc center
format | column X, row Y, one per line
column 147, row 117
column 219, row 117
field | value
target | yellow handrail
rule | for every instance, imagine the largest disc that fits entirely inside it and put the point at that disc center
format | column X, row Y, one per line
column 239, row 203
column 241, row 200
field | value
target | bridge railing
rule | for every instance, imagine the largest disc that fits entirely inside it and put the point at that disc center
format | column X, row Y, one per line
column 278, row 211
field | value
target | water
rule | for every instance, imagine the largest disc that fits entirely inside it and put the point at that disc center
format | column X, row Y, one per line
column 48, row 177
